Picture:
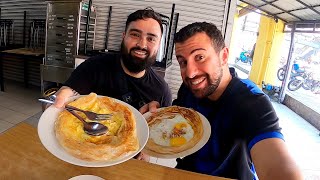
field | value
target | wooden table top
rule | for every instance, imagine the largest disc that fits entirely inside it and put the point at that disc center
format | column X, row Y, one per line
column 26, row 51
column 24, row 157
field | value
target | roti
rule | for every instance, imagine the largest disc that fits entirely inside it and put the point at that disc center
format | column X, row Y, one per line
column 120, row 140
column 173, row 130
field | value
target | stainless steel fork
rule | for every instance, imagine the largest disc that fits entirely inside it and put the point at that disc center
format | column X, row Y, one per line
column 90, row 115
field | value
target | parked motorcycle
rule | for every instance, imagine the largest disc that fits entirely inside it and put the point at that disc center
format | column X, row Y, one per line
column 297, row 81
column 315, row 87
column 244, row 57
column 308, row 82
column 295, row 71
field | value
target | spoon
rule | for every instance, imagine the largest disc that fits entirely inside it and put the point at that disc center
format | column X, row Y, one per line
column 91, row 128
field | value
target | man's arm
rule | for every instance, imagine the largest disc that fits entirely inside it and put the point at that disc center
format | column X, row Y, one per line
column 272, row 160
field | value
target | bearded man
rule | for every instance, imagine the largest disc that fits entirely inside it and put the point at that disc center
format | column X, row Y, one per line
column 246, row 140
column 126, row 76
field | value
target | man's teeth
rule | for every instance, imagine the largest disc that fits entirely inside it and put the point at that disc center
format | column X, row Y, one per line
column 195, row 82
column 140, row 52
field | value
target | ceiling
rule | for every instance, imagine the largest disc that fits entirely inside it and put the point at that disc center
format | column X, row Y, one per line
column 287, row 10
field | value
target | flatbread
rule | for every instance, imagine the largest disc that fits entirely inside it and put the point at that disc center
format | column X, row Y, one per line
column 120, row 140
column 166, row 125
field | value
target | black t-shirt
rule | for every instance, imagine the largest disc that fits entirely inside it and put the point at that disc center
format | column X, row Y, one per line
column 240, row 118
column 104, row 75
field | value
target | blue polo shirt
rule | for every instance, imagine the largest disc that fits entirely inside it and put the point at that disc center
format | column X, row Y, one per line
column 240, row 118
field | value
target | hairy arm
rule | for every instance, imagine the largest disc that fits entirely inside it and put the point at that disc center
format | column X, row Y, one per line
column 273, row 161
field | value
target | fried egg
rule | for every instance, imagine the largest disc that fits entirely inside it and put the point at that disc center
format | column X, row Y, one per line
column 175, row 131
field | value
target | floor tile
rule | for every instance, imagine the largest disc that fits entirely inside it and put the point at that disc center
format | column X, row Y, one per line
column 27, row 109
column 4, row 125
column 14, row 117
column 33, row 120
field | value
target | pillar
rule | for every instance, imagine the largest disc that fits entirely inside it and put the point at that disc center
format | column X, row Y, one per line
column 267, row 52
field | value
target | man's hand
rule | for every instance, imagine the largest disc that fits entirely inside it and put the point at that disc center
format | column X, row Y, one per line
column 142, row 156
column 62, row 96
column 151, row 107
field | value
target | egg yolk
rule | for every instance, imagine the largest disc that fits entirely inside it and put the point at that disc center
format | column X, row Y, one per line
column 177, row 141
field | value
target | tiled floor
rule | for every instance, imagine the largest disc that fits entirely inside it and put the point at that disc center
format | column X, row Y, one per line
column 18, row 103
column 303, row 141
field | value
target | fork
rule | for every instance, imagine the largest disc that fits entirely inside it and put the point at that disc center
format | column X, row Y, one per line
column 90, row 115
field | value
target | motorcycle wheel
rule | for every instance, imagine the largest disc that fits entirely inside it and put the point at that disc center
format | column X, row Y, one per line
column 306, row 86
column 294, row 85
column 281, row 73
column 315, row 88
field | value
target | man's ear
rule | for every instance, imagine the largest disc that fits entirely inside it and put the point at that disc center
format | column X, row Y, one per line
column 123, row 35
column 224, row 56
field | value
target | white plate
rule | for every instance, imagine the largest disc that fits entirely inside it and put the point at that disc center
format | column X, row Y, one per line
column 86, row 177
column 205, row 137
column 48, row 139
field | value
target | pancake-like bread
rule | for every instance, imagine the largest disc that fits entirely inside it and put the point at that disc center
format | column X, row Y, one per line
column 120, row 140
column 174, row 129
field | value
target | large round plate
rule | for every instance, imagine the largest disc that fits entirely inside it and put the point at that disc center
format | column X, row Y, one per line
column 205, row 137
column 48, row 138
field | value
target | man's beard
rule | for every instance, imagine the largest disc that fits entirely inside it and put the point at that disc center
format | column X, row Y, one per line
column 136, row 64
column 213, row 84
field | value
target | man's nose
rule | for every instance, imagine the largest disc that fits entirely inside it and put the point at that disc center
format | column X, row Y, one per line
column 191, row 70
column 142, row 43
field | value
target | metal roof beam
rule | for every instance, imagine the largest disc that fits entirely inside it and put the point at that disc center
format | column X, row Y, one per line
column 252, row 10
column 269, row 2
column 281, row 9
column 245, row 10
column 271, row 15
column 297, row 9
column 310, row 7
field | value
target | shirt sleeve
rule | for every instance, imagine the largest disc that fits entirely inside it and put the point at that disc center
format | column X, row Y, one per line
column 258, row 119
column 167, row 97
column 181, row 93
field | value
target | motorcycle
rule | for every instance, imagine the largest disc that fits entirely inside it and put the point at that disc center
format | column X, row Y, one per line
column 297, row 81
column 308, row 82
column 244, row 57
column 315, row 89
column 295, row 71
column 305, row 81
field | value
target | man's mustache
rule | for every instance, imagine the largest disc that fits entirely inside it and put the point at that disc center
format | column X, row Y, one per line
column 198, row 76
column 139, row 49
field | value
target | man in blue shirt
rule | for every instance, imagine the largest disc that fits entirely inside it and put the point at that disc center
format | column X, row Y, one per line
column 246, row 141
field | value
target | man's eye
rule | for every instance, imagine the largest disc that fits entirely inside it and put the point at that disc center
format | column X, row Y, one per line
column 151, row 39
column 199, row 57
column 182, row 63
column 135, row 34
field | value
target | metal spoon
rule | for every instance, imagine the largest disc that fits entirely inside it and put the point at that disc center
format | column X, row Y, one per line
column 91, row 128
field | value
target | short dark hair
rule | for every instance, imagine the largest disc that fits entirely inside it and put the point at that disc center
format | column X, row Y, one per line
column 144, row 14
column 198, row 27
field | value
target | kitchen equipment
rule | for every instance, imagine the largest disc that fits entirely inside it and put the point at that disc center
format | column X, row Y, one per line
column 70, row 32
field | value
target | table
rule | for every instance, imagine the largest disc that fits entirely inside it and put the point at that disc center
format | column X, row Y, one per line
column 23, row 53
column 24, row 157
